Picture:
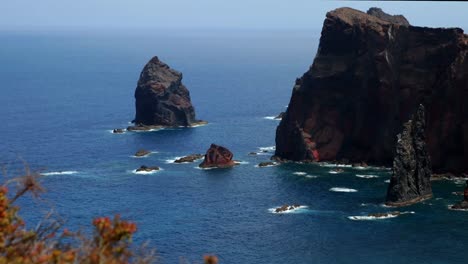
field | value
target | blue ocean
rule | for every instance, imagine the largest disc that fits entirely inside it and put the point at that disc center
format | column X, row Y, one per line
column 62, row 93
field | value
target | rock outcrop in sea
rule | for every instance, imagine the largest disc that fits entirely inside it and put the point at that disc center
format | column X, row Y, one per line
column 411, row 178
column 462, row 205
column 161, row 100
column 370, row 72
column 217, row 157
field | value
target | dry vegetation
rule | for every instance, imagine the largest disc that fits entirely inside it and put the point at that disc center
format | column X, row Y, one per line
column 50, row 242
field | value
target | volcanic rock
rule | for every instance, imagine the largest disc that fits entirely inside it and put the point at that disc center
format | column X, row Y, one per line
column 385, row 215
column 118, row 131
column 396, row 19
column 463, row 205
column 266, row 164
column 217, row 157
column 142, row 153
column 161, row 100
column 147, row 169
column 286, row 208
column 189, row 158
column 280, row 116
column 367, row 78
column 411, row 179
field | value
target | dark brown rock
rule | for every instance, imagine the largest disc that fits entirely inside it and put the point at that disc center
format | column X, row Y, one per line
column 142, row 153
column 411, row 179
column 147, row 169
column 266, row 164
column 384, row 215
column 217, row 157
column 161, row 99
column 280, row 116
column 118, row 131
column 463, row 205
column 189, row 158
column 394, row 19
column 368, row 76
column 286, row 208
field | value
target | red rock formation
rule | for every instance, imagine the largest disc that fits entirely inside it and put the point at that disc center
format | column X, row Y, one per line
column 367, row 78
column 217, row 157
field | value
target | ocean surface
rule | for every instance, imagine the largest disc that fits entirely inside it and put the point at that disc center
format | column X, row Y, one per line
column 61, row 94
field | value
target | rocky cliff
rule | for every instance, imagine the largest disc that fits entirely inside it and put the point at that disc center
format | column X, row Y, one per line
column 411, row 178
column 369, row 74
column 161, row 99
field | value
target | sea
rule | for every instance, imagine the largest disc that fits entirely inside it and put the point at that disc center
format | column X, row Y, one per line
column 62, row 93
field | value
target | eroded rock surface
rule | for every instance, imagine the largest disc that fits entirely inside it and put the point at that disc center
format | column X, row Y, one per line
column 161, row 100
column 368, row 76
column 411, row 178
column 189, row 158
column 218, row 157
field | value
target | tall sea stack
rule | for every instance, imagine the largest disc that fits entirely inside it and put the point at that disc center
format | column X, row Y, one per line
column 161, row 99
column 370, row 72
column 411, row 179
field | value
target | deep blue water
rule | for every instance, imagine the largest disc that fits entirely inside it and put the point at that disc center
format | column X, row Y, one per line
column 61, row 94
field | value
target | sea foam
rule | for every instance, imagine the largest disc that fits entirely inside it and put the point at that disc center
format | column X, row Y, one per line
column 59, row 173
column 296, row 210
column 365, row 176
column 342, row 189
column 371, row 217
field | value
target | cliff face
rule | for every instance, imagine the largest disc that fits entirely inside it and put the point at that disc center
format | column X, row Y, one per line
column 367, row 78
column 161, row 98
column 411, row 179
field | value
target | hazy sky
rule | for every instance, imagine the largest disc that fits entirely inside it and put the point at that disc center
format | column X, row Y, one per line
column 206, row 14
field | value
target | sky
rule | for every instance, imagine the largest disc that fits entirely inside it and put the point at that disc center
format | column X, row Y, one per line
column 208, row 14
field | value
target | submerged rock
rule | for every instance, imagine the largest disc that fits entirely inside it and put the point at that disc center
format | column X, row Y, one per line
column 266, row 164
column 286, row 208
column 368, row 76
column 385, row 215
column 118, row 131
column 142, row 153
column 411, row 179
column 161, row 100
column 189, row 158
column 463, row 205
column 144, row 168
column 217, row 157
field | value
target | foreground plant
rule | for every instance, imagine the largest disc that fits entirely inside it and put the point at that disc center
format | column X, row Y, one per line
column 111, row 241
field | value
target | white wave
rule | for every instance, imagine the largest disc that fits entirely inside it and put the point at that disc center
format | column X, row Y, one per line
column 372, row 217
column 172, row 160
column 335, row 172
column 269, row 149
column 387, row 181
column 453, row 209
column 272, row 118
column 311, row 176
column 242, row 162
column 300, row 173
column 295, row 210
column 269, row 165
column 149, row 130
column 326, row 164
column 365, row 176
column 342, row 189
column 360, row 168
column 59, row 173
column 209, row 168
column 145, row 172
